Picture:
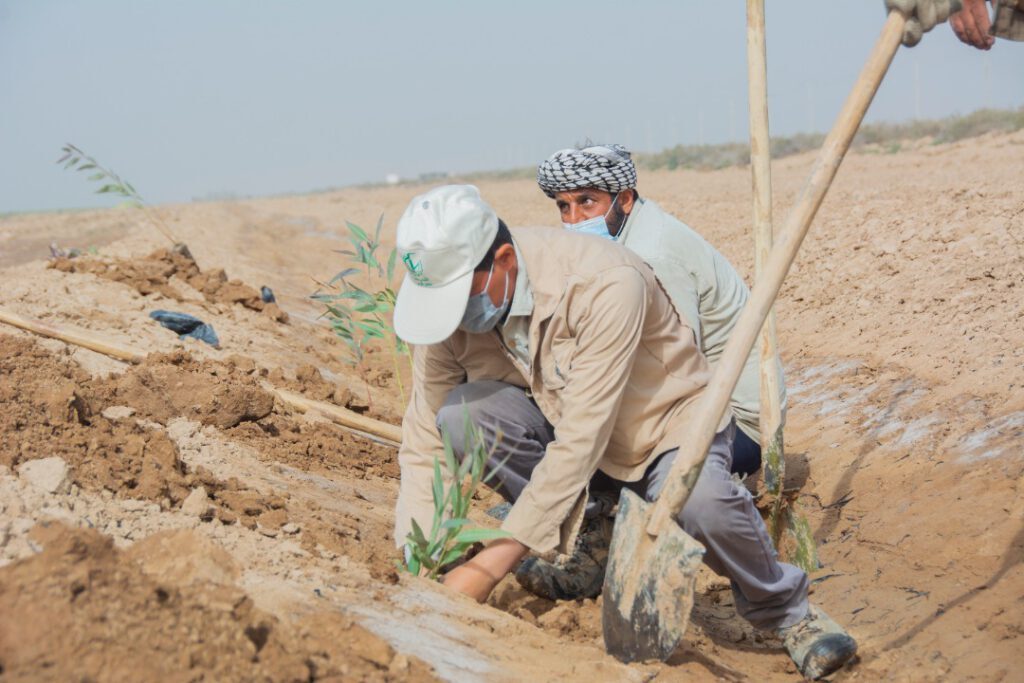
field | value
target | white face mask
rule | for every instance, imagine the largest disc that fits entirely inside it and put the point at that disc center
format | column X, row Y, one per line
column 598, row 225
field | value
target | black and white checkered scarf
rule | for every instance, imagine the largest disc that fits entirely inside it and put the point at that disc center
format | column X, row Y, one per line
column 605, row 167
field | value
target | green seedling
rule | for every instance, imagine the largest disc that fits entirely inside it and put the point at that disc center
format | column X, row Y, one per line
column 451, row 533
column 359, row 315
column 74, row 158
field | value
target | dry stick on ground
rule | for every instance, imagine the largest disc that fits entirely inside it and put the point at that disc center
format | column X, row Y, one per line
column 353, row 422
column 75, row 337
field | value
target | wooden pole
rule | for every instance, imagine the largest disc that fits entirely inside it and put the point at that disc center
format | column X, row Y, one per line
column 760, row 168
column 365, row 426
column 715, row 400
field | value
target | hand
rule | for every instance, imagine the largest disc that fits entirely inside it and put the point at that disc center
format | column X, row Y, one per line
column 478, row 577
column 922, row 16
column 971, row 25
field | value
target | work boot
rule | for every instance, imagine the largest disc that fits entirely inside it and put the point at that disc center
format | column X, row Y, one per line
column 818, row 645
column 580, row 576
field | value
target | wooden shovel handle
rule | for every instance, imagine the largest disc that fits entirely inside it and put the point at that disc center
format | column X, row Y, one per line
column 715, row 400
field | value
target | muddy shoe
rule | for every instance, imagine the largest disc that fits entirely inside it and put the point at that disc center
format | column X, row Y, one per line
column 818, row 645
column 581, row 576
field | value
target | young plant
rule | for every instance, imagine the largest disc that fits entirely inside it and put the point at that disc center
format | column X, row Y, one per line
column 75, row 158
column 358, row 315
column 451, row 535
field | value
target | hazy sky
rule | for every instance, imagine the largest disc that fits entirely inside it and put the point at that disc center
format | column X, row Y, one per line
column 192, row 98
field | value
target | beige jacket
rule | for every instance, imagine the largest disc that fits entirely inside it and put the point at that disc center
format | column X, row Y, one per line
column 614, row 370
column 708, row 292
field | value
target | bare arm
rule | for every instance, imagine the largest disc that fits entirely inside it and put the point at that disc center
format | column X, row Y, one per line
column 478, row 577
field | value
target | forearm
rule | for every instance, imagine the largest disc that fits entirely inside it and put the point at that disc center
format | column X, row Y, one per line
column 478, row 577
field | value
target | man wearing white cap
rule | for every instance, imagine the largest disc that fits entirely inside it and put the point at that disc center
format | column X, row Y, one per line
column 568, row 347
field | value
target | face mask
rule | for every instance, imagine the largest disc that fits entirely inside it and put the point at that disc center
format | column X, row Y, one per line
column 598, row 225
column 481, row 314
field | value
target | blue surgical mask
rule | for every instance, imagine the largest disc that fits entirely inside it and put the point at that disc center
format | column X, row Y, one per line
column 598, row 225
column 481, row 314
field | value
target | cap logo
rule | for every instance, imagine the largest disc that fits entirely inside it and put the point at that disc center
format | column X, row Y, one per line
column 416, row 271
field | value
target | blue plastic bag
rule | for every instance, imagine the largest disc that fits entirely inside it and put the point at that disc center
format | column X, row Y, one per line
column 186, row 326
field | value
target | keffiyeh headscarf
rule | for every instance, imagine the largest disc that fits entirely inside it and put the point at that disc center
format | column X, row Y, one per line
column 605, row 167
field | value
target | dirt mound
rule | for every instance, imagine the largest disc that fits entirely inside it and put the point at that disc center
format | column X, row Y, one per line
column 317, row 446
column 310, row 382
column 328, row 451
column 119, row 623
column 176, row 385
column 51, row 408
column 154, row 273
column 49, row 411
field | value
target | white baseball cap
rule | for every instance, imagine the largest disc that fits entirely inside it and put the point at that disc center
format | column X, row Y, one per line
column 442, row 236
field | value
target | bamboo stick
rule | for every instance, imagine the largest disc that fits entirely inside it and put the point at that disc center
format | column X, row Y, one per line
column 70, row 336
column 389, row 433
column 354, row 422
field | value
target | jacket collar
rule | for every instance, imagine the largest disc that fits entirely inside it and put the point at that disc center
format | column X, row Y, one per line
column 631, row 220
column 522, row 294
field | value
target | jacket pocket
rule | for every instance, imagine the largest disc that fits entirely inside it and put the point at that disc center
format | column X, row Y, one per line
column 556, row 365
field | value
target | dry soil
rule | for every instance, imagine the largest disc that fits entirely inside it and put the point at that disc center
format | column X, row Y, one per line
column 172, row 521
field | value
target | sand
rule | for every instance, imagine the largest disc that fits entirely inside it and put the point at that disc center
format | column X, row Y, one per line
column 214, row 532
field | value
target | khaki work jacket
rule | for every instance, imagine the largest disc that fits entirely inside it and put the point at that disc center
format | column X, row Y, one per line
column 709, row 294
column 614, row 370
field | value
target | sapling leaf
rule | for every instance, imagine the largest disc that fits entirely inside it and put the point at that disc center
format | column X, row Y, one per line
column 438, row 485
column 453, row 554
column 380, row 224
column 481, row 534
column 356, row 230
column 433, row 549
column 348, row 272
column 449, row 452
column 455, row 523
column 417, row 533
column 369, row 330
column 392, row 259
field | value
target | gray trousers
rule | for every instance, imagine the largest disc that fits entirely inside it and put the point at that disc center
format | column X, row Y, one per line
column 719, row 513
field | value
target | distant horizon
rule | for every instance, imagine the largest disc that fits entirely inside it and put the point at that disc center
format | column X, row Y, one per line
column 227, row 197
column 196, row 99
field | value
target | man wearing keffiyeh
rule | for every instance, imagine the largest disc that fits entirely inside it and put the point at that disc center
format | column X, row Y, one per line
column 594, row 188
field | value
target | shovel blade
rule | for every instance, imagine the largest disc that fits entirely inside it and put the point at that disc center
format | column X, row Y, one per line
column 648, row 586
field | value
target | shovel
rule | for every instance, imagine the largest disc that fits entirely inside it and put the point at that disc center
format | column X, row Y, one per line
column 648, row 586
